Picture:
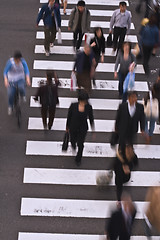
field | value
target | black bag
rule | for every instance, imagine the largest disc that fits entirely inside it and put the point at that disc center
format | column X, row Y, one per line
column 114, row 139
column 109, row 40
column 65, row 141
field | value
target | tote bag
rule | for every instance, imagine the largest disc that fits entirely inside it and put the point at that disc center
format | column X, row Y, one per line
column 151, row 109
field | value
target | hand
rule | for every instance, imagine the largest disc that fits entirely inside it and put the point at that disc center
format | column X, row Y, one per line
column 93, row 44
column 69, row 29
column 28, row 81
column 115, row 75
column 126, row 169
column 102, row 59
column 6, row 83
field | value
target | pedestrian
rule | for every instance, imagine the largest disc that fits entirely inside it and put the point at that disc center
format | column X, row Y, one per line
column 85, row 68
column 79, row 23
column 48, row 94
column 152, row 216
column 121, row 221
column 98, row 46
column 77, row 125
column 129, row 115
column 151, row 110
column 16, row 74
column 139, row 6
column 124, row 58
column 149, row 38
column 122, row 167
column 50, row 13
column 64, row 5
column 121, row 21
column 156, row 87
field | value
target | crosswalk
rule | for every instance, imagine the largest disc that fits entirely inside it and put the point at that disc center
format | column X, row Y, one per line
column 78, row 205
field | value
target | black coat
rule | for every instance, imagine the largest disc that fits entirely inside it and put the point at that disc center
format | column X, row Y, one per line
column 100, row 45
column 127, row 126
column 77, row 121
column 117, row 225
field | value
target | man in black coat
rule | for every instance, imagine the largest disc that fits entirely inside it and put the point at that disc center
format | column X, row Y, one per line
column 121, row 221
column 128, row 116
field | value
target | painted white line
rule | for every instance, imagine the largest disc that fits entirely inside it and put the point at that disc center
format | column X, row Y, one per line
column 68, row 66
column 64, row 236
column 85, row 177
column 100, row 84
column 64, row 23
column 69, row 36
column 97, row 104
column 90, row 149
column 93, row 2
column 72, row 208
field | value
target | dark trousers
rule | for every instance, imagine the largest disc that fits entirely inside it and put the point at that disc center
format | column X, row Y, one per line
column 77, row 38
column 44, row 112
column 50, row 35
column 118, row 37
column 120, row 179
column 138, row 7
column 147, row 51
column 78, row 137
column 121, row 77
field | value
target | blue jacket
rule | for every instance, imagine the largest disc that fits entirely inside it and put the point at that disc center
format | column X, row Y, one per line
column 46, row 14
column 149, row 35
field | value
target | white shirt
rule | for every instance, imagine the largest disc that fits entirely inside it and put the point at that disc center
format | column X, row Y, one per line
column 131, row 109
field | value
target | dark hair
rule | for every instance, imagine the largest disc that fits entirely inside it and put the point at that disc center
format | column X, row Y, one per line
column 130, row 93
column 17, row 55
column 122, row 3
column 96, row 29
column 50, row 75
column 81, row 3
column 83, row 96
column 129, row 43
column 152, row 20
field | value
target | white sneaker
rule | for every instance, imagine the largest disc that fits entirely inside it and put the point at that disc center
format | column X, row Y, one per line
column 47, row 54
column 9, row 110
column 24, row 99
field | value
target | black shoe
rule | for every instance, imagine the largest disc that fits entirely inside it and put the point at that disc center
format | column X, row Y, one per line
column 78, row 161
column 49, row 127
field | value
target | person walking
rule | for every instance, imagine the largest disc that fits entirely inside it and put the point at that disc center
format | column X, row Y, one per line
column 124, row 58
column 121, row 21
column 85, row 68
column 79, row 23
column 50, row 13
column 48, row 94
column 149, row 38
column 121, row 221
column 98, row 46
column 16, row 74
column 77, row 125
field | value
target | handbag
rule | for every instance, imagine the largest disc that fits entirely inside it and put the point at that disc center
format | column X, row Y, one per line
column 73, row 81
column 151, row 109
column 65, row 141
column 114, row 139
column 109, row 40
column 59, row 39
column 129, row 82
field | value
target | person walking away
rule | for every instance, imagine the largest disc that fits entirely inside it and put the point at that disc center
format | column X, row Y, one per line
column 85, row 68
column 151, row 110
column 48, row 99
column 129, row 115
column 121, row 21
column 124, row 58
column 50, row 13
column 79, row 23
column 121, row 221
column 149, row 38
column 77, row 125
column 98, row 46
column 16, row 74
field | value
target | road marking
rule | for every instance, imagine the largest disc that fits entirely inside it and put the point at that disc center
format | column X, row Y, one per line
column 85, row 177
column 72, row 208
column 68, row 66
column 69, row 36
column 103, row 24
column 50, row 148
column 64, row 236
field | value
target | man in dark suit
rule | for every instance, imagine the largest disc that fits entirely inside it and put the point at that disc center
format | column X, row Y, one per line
column 128, row 116
column 121, row 221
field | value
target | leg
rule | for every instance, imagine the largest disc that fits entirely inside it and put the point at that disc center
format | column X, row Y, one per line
column 46, row 38
column 21, row 87
column 151, row 126
column 53, row 33
column 44, row 116
column 121, row 77
column 80, row 144
column 11, row 93
column 115, row 37
column 73, row 139
column 80, row 36
column 146, row 56
column 121, row 38
column 51, row 116
column 75, row 34
column 146, row 126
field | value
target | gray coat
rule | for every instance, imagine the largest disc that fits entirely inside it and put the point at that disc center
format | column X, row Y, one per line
column 73, row 20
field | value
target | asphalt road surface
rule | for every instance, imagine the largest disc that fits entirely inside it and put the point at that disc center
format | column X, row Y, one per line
column 43, row 193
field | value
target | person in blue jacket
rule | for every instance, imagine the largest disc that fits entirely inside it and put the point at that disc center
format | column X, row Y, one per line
column 15, row 73
column 50, row 13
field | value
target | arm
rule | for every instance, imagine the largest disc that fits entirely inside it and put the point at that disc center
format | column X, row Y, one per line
column 112, row 21
column 58, row 16
column 26, row 71
column 88, row 20
column 69, row 116
column 129, row 23
column 40, row 15
column 103, row 50
column 5, row 72
column 118, row 117
column 117, row 63
column 71, row 18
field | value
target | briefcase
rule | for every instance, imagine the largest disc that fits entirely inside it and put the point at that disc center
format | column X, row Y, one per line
column 65, row 141
column 109, row 40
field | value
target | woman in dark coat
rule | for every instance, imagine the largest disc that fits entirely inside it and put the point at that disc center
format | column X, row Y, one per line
column 48, row 99
column 77, row 123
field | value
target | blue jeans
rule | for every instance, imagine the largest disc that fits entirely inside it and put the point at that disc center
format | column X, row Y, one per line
column 12, row 91
column 150, row 129
column 121, row 77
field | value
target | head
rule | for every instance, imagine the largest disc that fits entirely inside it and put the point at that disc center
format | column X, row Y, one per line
column 87, row 49
column 126, row 47
column 152, row 20
column 122, row 7
column 83, row 97
column 17, row 56
column 49, row 74
column 132, row 97
column 127, row 202
column 98, row 32
column 51, row 2
column 81, row 5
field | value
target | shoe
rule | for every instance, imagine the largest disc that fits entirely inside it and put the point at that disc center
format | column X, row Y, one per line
column 47, row 54
column 9, row 111
column 49, row 127
column 24, row 99
column 51, row 45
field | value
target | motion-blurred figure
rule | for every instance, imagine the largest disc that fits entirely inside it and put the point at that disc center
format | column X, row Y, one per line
column 139, row 6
